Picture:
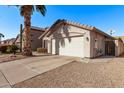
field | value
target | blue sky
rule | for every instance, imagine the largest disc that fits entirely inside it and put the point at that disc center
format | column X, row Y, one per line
column 103, row 17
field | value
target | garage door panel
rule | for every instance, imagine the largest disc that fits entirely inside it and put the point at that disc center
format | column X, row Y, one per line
column 73, row 47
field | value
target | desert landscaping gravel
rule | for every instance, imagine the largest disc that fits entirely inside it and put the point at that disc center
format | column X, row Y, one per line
column 79, row 75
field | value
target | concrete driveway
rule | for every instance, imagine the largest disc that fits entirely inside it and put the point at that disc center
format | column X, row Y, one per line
column 17, row 71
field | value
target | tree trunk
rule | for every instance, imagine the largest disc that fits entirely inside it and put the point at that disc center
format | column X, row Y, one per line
column 27, row 51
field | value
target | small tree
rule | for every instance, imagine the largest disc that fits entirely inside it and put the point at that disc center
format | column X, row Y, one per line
column 13, row 48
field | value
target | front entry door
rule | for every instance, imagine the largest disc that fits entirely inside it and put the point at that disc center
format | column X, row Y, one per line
column 110, row 48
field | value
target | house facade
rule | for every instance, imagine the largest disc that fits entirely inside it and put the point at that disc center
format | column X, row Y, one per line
column 35, row 32
column 119, row 46
column 74, row 39
column 7, row 42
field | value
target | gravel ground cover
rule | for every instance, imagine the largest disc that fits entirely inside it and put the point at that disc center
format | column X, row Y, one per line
column 80, row 75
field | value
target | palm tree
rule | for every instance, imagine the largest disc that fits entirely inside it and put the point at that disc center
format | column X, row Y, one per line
column 26, row 11
column 1, row 35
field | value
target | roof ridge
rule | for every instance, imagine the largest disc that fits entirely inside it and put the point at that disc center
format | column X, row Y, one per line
column 79, row 24
column 35, row 27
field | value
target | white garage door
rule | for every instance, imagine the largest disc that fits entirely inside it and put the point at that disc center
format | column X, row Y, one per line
column 73, row 48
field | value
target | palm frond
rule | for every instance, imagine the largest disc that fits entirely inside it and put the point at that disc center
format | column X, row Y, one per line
column 22, row 10
column 1, row 35
column 26, row 8
column 41, row 9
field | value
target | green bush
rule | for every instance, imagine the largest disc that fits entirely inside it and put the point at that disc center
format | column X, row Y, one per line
column 12, row 49
column 41, row 50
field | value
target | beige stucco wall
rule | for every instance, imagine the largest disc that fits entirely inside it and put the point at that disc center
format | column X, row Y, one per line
column 119, row 47
column 93, row 43
column 35, row 42
column 97, row 44
column 69, row 32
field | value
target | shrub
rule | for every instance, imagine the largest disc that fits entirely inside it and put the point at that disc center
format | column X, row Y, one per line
column 3, row 48
column 12, row 48
column 41, row 50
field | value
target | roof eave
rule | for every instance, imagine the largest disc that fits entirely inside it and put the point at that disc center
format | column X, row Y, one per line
column 101, row 32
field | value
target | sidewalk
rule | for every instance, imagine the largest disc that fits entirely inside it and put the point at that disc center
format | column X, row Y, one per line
column 3, row 82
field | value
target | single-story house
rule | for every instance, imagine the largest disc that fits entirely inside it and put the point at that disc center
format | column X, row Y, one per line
column 35, row 32
column 7, row 41
column 74, row 39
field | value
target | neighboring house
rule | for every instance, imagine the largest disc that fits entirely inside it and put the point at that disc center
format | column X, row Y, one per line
column 119, row 45
column 74, row 39
column 17, row 41
column 120, row 37
column 35, row 32
column 7, row 41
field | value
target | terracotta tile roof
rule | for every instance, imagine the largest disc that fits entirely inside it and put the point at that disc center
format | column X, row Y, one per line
column 35, row 29
column 38, row 28
column 8, row 41
column 63, row 21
